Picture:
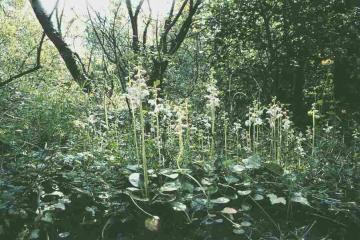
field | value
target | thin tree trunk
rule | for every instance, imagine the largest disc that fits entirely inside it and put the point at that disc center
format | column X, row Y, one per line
column 298, row 101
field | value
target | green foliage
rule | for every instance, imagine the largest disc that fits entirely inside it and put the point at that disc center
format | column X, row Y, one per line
column 218, row 155
column 72, row 165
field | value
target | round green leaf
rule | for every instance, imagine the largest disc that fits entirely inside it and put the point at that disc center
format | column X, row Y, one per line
column 178, row 206
column 220, row 200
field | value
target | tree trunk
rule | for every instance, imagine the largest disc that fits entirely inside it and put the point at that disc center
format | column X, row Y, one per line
column 71, row 59
column 298, row 101
column 344, row 87
column 158, row 72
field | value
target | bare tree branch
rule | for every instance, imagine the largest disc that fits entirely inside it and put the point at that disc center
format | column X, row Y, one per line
column 169, row 24
column 147, row 24
column 114, row 55
column 31, row 70
column 3, row 9
column 185, row 27
column 59, row 17
column 134, row 23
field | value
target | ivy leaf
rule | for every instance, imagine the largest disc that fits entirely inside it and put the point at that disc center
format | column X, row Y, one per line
column 229, row 211
column 275, row 168
column 258, row 197
column 132, row 189
column 245, row 207
column 64, row 234
column 91, row 210
column 220, row 200
column 297, row 197
column 231, row 179
column 56, row 193
column 253, row 162
column 244, row 193
column 239, row 231
column 199, row 204
column 238, row 168
column 246, row 224
column 178, row 206
column 206, row 182
column 172, row 176
column 133, row 167
column 275, row 199
column 35, row 234
column 134, row 179
column 170, row 187
column 60, row 206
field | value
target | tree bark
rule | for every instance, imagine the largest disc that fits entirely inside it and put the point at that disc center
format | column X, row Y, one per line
column 158, row 72
column 71, row 59
column 346, row 83
column 298, row 101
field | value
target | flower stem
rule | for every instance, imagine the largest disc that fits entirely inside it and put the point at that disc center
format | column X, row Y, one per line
column 143, row 152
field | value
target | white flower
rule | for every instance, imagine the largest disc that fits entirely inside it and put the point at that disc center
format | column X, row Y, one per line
column 258, row 121
column 299, row 149
column 180, row 112
column 212, row 97
column 193, row 129
column 237, row 127
column 152, row 102
column 92, row 119
column 275, row 112
column 327, row 128
column 206, row 122
column 207, row 125
column 79, row 124
column 356, row 134
column 286, row 124
column 137, row 90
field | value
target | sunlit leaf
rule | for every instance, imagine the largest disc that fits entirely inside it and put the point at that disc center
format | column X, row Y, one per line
column 238, row 168
column 178, row 206
column 56, row 193
column 252, row 162
column 275, row 168
column 206, row 182
column 153, row 224
column 133, row 189
column 238, row 231
column 258, row 197
column 245, row 223
column 228, row 210
column 244, row 193
column 91, row 210
column 170, row 187
column 275, row 199
column 245, row 207
column 60, row 206
column 35, row 234
column 297, row 197
column 64, row 234
column 231, row 179
column 172, row 176
column 220, row 200
column 134, row 179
